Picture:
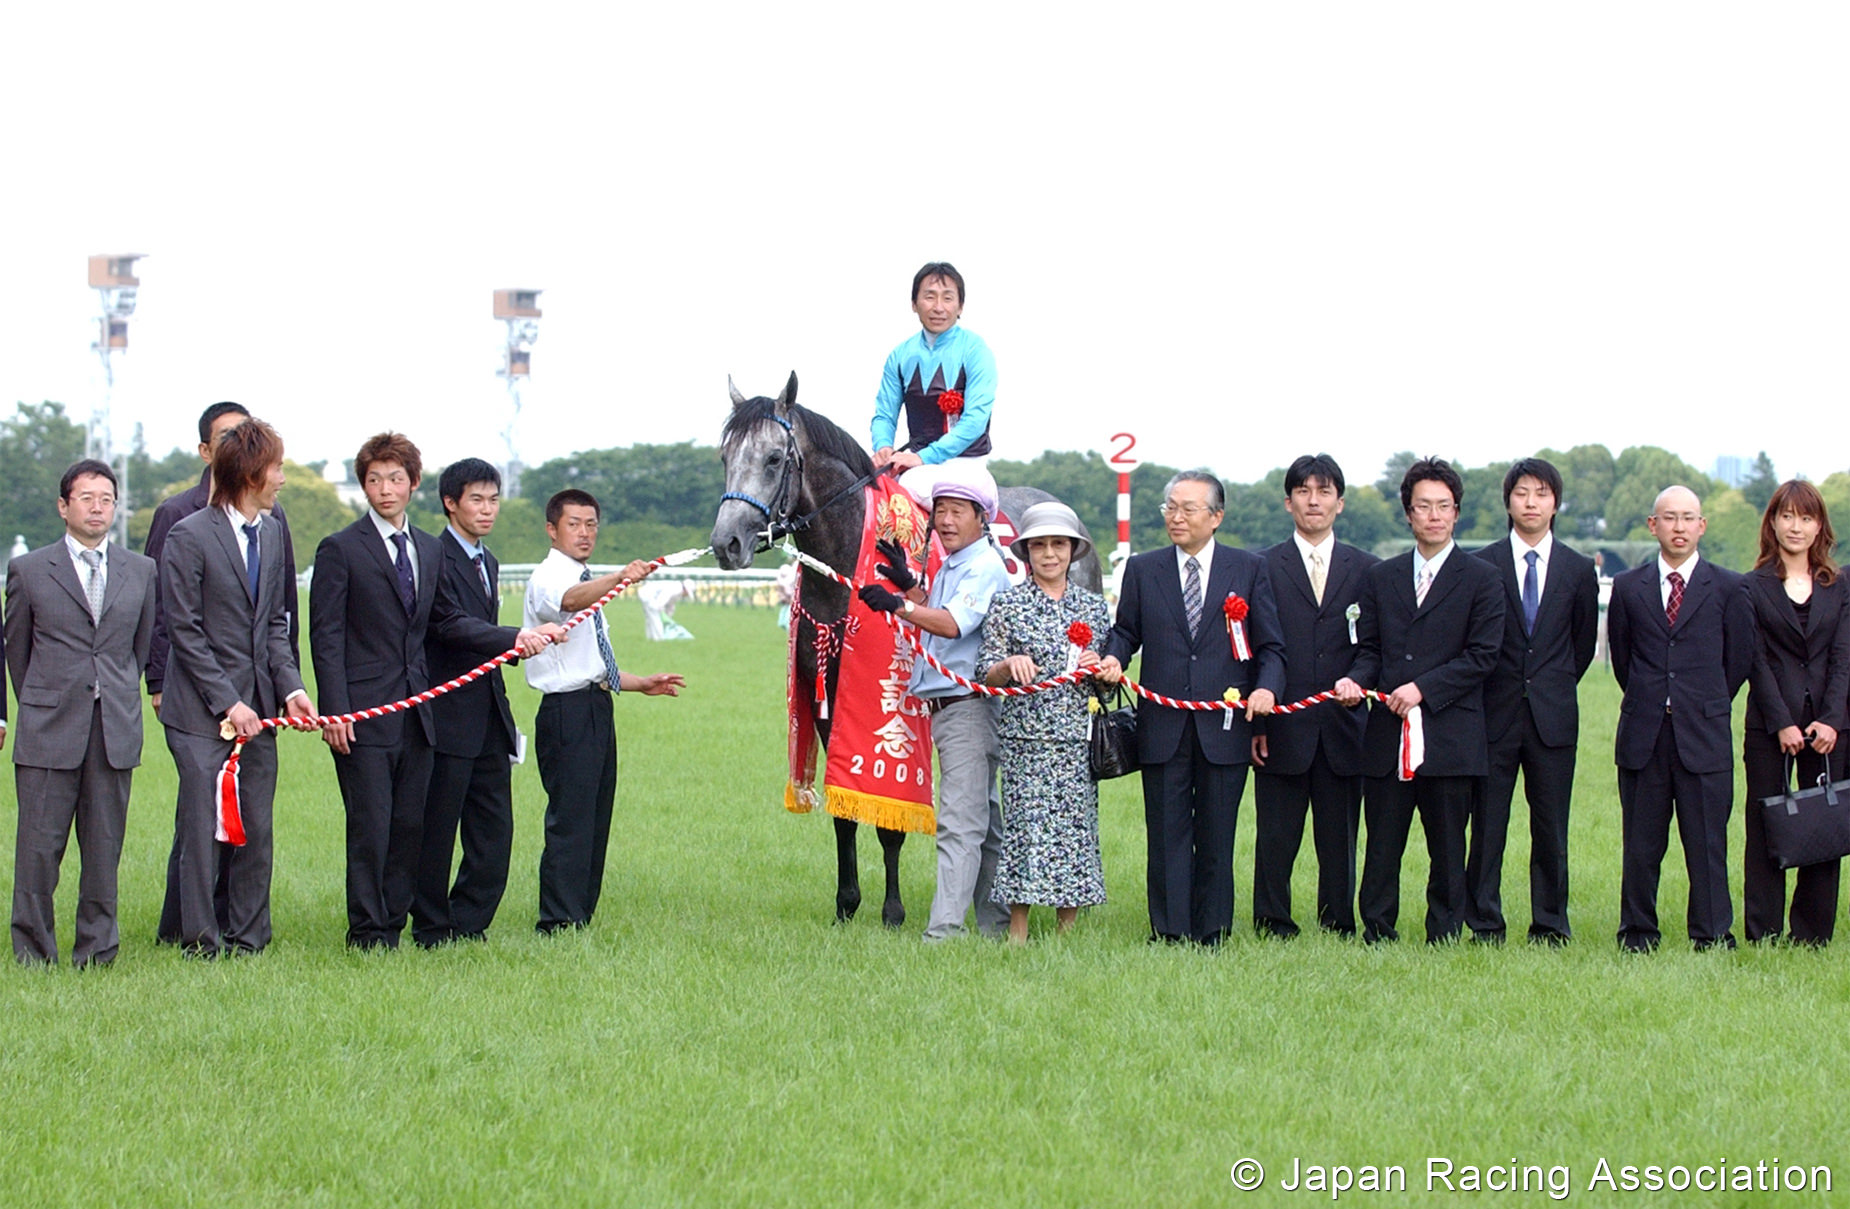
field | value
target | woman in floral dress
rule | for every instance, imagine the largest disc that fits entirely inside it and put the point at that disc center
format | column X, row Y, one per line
column 1034, row 631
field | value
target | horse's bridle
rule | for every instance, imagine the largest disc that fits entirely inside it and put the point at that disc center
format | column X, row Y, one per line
column 779, row 524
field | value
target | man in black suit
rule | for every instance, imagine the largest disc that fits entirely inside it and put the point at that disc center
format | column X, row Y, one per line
column 369, row 606
column 471, row 777
column 1431, row 622
column 214, row 423
column 1172, row 608
column 1311, row 761
column 1532, row 705
column 1681, row 633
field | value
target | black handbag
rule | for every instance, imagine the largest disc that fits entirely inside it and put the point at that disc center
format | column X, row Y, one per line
column 1807, row 826
column 1111, row 747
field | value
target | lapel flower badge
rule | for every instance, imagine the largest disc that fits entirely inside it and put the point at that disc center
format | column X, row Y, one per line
column 1235, row 609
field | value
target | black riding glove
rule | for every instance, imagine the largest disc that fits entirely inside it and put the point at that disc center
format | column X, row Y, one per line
column 897, row 569
column 879, row 599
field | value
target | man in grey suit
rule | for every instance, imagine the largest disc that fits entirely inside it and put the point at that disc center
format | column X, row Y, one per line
column 79, row 618
column 224, row 596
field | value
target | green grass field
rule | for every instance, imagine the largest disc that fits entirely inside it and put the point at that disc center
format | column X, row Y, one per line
column 715, row 1039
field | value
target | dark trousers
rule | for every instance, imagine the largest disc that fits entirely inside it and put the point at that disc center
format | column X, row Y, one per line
column 240, row 920
column 474, row 795
column 576, row 744
column 1548, row 786
column 167, row 931
column 1189, row 809
column 1280, row 802
column 1443, row 803
column 1701, row 803
column 1763, row 886
column 94, row 797
column 384, row 790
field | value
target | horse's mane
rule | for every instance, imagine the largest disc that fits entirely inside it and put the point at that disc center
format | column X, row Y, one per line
column 824, row 435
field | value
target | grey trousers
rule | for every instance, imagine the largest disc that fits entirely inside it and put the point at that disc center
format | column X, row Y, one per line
column 245, row 922
column 969, row 819
column 95, row 797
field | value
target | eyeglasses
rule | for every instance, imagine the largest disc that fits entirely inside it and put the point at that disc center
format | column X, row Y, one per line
column 1678, row 518
column 1190, row 510
column 1433, row 508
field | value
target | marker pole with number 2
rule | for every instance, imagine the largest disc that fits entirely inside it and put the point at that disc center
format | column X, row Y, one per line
column 1120, row 458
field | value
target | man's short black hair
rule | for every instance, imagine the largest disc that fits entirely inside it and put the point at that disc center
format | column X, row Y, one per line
column 555, row 507
column 1314, row 466
column 82, row 467
column 939, row 268
column 1539, row 469
column 1436, row 470
column 210, row 416
column 457, row 476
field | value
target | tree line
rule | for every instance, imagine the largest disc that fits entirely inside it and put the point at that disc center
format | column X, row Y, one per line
column 658, row 498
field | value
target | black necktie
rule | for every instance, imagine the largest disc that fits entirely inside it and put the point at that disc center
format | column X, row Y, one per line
column 407, row 587
column 252, row 560
column 481, row 568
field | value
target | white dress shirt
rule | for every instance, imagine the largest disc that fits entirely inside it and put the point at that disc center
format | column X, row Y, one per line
column 1436, row 562
column 386, row 532
column 1520, row 549
column 76, row 549
column 1205, row 559
column 1663, row 576
column 1323, row 550
column 563, row 667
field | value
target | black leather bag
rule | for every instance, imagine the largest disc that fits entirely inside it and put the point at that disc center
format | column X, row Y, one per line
column 1111, row 748
column 1807, row 826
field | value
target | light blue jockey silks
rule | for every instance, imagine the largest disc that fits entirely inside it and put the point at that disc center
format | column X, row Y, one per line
column 920, row 370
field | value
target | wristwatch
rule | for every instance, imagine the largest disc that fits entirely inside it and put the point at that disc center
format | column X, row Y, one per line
column 909, row 608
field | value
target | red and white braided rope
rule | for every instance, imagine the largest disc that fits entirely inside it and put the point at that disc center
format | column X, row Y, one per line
column 1073, row 677
column 318, row 721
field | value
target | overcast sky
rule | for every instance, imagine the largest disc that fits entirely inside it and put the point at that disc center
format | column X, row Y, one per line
column 1241, row 232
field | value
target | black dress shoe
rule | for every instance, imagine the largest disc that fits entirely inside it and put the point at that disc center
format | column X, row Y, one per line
column 1272, row 929
column 1724, row 941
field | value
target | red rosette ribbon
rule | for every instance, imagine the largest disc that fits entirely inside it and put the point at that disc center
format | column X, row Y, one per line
column 951, row 403
column 1235, row 608
column 1079, row 634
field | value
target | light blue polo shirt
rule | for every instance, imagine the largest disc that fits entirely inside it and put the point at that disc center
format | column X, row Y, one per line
column 966, row 583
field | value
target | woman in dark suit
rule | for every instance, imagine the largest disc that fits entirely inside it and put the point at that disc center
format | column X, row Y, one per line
column 1796, row 704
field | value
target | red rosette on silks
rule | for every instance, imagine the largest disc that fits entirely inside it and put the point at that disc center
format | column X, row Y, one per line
column 951, row 403
column 1235, row 609
column 1079, row 635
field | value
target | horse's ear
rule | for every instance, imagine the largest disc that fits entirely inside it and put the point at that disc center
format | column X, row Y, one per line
column 786, row 398
column 738, row 400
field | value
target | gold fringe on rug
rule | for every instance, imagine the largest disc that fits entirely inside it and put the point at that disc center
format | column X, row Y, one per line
column 891, row 813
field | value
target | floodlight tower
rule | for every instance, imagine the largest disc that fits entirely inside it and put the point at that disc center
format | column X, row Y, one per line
column 520, row 311
column 113, row 278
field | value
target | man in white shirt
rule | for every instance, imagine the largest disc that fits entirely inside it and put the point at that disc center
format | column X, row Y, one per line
column 574, row 731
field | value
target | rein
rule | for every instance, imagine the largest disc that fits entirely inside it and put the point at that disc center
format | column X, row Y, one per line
column 779, row 523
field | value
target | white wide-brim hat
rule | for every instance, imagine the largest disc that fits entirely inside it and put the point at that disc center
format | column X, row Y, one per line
column 1050, row 518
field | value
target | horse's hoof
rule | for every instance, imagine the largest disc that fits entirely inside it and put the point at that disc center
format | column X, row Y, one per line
column 847, row 902
column 892, row 913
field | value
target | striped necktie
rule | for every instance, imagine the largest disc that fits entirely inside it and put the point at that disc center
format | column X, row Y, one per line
column 603, row 642
column 1191, row 596
column 93, row 582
